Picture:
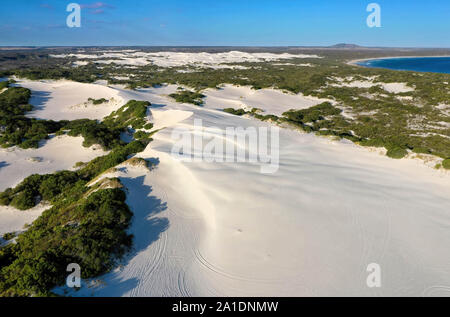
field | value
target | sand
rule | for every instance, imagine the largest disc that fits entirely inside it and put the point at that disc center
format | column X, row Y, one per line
column 68, row 100
column 272, row 101
column 394, row 88
column 176, row 59
column 56, row 154
column 310, row 229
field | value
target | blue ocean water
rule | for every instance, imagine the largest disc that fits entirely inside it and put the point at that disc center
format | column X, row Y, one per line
column 418, row 64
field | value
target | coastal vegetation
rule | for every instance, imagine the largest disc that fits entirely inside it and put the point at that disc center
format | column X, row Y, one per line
column 403, row 121
column 97, row 102
column 186, row 96
column 86, row 224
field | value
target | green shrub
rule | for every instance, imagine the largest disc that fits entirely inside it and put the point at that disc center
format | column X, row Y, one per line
column 91, row 232
column 97, row 101
column 446, row 164
column 236, row 112
column 9, row 236
column 187, row 96
column 396, row 152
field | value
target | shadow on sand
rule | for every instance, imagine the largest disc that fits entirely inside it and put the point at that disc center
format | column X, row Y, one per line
column 38, row 100
column 146, row 228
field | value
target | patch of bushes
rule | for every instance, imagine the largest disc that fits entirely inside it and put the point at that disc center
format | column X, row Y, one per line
column 187, row 96
column 142, row 135
column 90, row 231
column 446, row 164
column 312, row 114
column 94, row 132
column 9, row 236
column 97, row 102
column 236, row 112
column 133, row 115
column 396, row 152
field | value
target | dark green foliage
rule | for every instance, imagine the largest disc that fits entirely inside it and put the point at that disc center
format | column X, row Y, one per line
column 187, row 96
column 8, row 236
column 117, row 156
column 133, row 114
column 266, row 117
column 141, row 135
column 90, row 232
column 446, row 164
column 86, row 229
column 51, row 186
column 15, row 128
column 148, row 126
column 97, row 102
column 312, row 114
column 396, row 152
column 36, row 187
column 94, row 132
column 236, row 112
column 4, row 84
column 7, row 255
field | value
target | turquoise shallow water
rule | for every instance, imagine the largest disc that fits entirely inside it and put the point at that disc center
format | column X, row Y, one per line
column 418, row 64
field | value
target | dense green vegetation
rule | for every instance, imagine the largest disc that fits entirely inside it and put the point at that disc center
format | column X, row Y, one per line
column 236, row 112
column 326, row 119
column 85, row 225
column 4, row 84
column 132, row 115
column 86, row 229
column 186, row 96
column 16, row 129
column 446, row 164
column 97, row 101
column 51, row 187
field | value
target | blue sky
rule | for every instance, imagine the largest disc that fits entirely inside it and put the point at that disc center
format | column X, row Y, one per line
column 413, row 23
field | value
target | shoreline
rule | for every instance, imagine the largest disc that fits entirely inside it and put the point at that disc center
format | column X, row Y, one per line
column 355, row 62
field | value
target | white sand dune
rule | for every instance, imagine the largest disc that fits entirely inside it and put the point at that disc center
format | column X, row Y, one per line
column 272, row 101
column 13, row 220
column 394, row 88
column 67, row 100
column 175, row 59
column 56, row 154
column 312, row 228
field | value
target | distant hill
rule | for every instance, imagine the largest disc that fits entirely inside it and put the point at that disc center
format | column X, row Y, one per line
column 344, row 45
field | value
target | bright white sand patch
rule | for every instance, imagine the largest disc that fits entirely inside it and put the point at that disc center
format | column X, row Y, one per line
column 394, row 88
column 175, row 59
column 13, row 220
column 67, row 100
column 58, row 153
column 207, row 229
column 270, row 100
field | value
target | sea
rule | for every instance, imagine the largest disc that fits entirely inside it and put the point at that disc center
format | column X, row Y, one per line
column 417, row 64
